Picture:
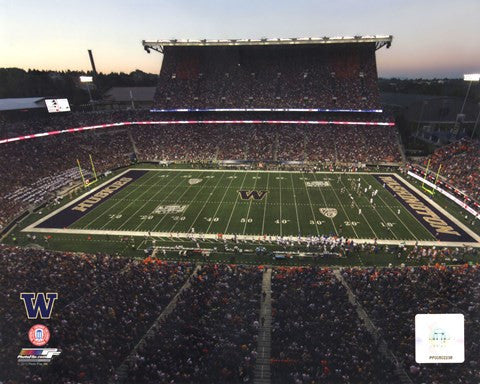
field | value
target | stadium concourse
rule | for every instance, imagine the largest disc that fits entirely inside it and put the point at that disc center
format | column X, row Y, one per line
column 243, row 311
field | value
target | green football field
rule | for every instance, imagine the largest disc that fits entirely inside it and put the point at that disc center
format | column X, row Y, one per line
column 258, row 205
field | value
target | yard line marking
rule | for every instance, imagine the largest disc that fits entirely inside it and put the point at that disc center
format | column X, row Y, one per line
column 325, row 202
column 233, row 209
column 356, row 204
column 177, row 201
column 205, row 203
column 220, row 204
column 148, row 201
column 249, row 206
column 397, row 216
column 343, row 208
column 296, row 209
column 280, row 190
column 135, row 189
column 378, row 214
column 265, row 206
column 311, row 207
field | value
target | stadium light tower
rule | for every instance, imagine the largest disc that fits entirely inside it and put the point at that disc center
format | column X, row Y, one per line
column 470, row 78
column 476, row 122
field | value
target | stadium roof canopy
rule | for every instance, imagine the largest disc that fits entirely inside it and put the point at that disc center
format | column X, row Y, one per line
column 20, row 103
column 379, row 40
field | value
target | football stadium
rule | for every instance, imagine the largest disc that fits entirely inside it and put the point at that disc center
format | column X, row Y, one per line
column 263, row 217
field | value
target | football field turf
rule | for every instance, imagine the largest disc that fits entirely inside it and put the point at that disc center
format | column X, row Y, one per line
column 255, row 205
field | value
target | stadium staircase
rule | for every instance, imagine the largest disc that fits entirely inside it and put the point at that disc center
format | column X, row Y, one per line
column 275, row 148
column 262, row 368
column 381, row 343
column 401, row 148
column 122, row 371
column 133, row 143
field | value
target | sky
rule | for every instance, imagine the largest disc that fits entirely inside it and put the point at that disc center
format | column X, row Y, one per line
column 431, row 38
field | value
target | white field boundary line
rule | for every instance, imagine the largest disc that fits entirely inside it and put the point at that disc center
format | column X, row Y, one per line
column 73, row 202
column 257, row 170
column 439, row 207
column 256, row 238
column 32, row 227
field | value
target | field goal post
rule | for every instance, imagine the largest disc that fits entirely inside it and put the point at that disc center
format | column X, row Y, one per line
column 431, row 190
column 88, row 182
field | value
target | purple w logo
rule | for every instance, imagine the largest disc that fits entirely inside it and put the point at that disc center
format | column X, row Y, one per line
column 255, row 195
column 39, row 304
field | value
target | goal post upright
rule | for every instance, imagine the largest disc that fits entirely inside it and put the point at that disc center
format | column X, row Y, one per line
column 93, row 168
column 81, row 173
column 432, row 190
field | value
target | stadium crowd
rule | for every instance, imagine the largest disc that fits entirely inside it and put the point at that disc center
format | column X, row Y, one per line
column 33, row 170
column 393, row 296
column 460, row 162
column 105, row 305
column 317, row 335
column 269, row 77
column 216, row 321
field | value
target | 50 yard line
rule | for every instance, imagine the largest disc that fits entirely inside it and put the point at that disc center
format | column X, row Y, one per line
column 249, row 206
column 265, row 206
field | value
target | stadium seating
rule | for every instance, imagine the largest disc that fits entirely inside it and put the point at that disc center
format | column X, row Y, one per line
column 105, row 305
column 460, row 163
column 32, row 170
column 216, row 321
column 269, row 77
column 393, row 296
column 317, row 335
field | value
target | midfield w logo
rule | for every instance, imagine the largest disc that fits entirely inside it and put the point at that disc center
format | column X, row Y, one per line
column 39, row 304
column 255, row 195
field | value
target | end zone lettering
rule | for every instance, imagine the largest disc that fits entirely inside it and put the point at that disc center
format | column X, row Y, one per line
column 99, row 196
column 419, row 207
column 64, row 217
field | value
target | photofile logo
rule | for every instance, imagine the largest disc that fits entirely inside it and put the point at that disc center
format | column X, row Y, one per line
column 439, row 338
column 37, row 356
column 39, row 304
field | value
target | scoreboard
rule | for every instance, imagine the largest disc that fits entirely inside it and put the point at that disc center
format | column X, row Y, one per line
column 57, row 105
